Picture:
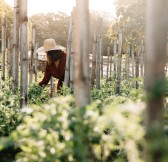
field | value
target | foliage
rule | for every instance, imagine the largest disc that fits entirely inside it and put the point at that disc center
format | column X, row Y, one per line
column 51, row 25
column 9, row 109
column 131, row 19
column 8, row 12
column 60, row 131
column 37, row 95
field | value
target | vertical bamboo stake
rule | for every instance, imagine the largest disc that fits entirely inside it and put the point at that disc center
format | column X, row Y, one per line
column 93, row 72
column 100, row 45
column 98, row 54
column 111, row 61
column 31, row 64
column 24, row 52
column 82, row 77
column 133, row 62
column 52, row 87
column 9, row 57
column 127, row 60
column 3, row 47
column 108, row 54
column 10, row 53
column 72, row 64
column 137, row 54
column 69, row 46
column 142, row 59
column 15, row 45
column 156, row 39
column 115, row 61
column 36, row 61
column 33, row 55
column 119, row 63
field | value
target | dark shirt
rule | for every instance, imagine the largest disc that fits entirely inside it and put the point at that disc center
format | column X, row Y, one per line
column 58, row 72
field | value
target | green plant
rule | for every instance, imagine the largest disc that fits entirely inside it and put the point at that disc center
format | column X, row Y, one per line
column 38, row 95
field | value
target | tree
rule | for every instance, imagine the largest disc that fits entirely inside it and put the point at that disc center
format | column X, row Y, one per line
column 8, row 11
column 51, row 25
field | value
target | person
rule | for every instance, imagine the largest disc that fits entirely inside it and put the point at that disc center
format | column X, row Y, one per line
column 56, row 62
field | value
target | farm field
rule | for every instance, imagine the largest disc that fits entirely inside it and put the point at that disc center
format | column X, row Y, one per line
column 86, row 86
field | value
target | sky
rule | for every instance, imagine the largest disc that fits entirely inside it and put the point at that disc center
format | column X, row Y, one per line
column 44, row 6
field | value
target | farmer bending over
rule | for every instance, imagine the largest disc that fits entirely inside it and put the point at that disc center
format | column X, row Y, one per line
column 56, row 61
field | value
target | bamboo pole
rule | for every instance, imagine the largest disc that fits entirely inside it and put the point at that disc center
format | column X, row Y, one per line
column 155, row 59
column 142, row 59
column 15, row 45
column 72, row 65
column 31, row 64
column 119, row 63
column 111, row 62
column 127, row 60
column 69, row 46
column 24, row 52
column 93, row 72
column 34, row 47
column 10, row 53
column 36, row 61
column 133, row 62
column 100, row 45
column 137, row 54
column 3, row 47
column 108, row 54
column 81, row 46
column 115, row 60
column 99, row 62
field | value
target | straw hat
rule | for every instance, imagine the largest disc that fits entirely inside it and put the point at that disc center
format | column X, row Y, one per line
column 49, row 45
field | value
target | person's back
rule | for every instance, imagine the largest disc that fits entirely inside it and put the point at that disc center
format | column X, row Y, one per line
column 56, row 62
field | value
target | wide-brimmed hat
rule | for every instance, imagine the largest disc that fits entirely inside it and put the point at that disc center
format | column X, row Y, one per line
column 49, row 45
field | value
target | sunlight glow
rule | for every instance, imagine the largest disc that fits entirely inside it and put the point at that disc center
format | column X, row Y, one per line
column 66, row 6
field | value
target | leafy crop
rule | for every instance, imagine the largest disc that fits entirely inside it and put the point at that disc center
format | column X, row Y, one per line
column 38, row 95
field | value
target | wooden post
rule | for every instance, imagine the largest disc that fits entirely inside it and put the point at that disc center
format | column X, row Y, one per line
column 133, row 62
column 155, row 59
column 72, row 63
column 36, row 61
column 15, row 45
column 10, row 53
column 142, row 59
column 98, row 54
column 24, row 52
column 100, row 46
column 111, row 62
column 3, row 48
column 93, row 72
column 115, row 61
column 119, row 63
column 127, row 60
column 31, row 64
column 108, row 54
column 82, row 77
column 137, row 54
column 69, row 46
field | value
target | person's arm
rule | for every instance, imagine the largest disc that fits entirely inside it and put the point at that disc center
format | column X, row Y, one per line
column 46, row 77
